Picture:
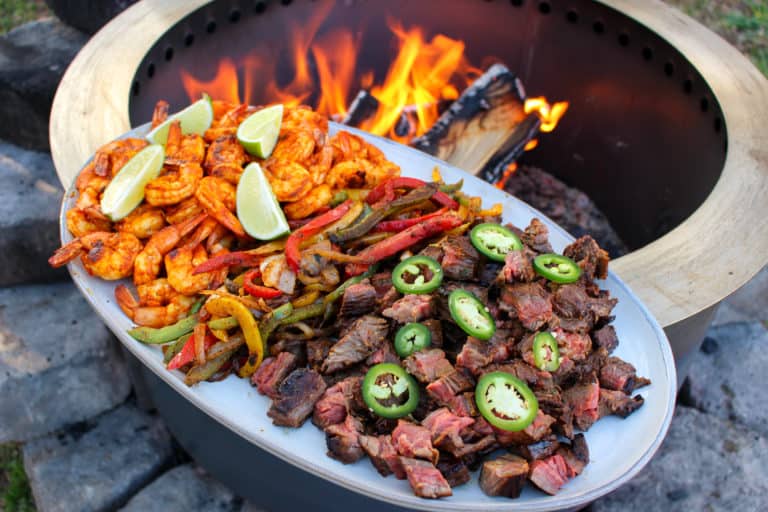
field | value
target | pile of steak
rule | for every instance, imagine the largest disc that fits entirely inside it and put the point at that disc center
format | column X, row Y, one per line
column 445, row 438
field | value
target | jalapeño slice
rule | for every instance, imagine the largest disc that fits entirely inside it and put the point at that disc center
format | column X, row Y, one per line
column 471, row 315
column 389, row 391
column 557, row 268
column 546, row 355
column 411, row 338
column 417, row 274
column 505, row 401
column 494, row 241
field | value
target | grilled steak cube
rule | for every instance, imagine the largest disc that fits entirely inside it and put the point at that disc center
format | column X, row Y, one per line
column 337, row 401
column 271, row 373
column 518, row 267
column 343, row 441
column 540, row 427
column 317, row 351
column 383, row 455
column 411, row 440
column 445, row 428
column 573, row 345
column 460, row 258
column 504, row 476
column 606, row 338
column 620, row 375
column 384, row 354
column 529, row 302
column 576, row 455
column 550, row 474
column 435, row 331
column 618, row 403
column 411, row 308
column 359, row 299
column 583, row 399
column 446, row 387
column 362, row 338
column 536, row 236
column 428, row 365
column 463, row 404
column 425, row 479
column 589, row 256
column 454, row 471
column 539, row 450
column 297, row 395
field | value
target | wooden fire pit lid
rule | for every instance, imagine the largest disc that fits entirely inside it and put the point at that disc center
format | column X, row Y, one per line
column 722, row 245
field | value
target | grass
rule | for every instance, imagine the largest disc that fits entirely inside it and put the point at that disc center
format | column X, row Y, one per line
column 744, row 23
column 16, row 12
column 15, row 494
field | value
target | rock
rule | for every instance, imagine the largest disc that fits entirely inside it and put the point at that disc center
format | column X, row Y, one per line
column 749, row 303
column 58, row 362
column 30, row 197
column 98, row 466
column 185, row 488
column 726, row 380
column 87, row 15
column 705, row 463
column 33, row 57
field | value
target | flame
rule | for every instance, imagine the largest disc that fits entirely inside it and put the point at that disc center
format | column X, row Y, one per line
column 531, row 144
column 508, row 172
column 223, row 86
column 550, row 115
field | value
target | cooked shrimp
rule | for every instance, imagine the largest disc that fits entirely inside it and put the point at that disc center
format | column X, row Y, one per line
column 179, row 265
column 160, row 114
column 350, row 174
column 202, row 232
column 310, row 203
column 224, row 150
column 183, row 149
column 320, row 163
column 173, row 186
column 89, row 180
column 227, row 123
column 148, row 261
column 143, row 222
column 89, row 220
column 109, row 256
column 185, row 210
column 153, row 316
column 294, row 145
column 290, row 180
column 217, row 197
column 118, row 152
column 156, row 293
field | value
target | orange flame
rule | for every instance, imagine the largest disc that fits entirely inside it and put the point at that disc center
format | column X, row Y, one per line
column 550, row 115
column 508, row 172
column 223, row 86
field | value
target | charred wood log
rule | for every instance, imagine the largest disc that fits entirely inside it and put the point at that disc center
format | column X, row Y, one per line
column 363, row 107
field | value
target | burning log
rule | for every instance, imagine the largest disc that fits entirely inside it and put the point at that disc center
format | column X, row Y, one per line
column 363, row 107
column 486, row 128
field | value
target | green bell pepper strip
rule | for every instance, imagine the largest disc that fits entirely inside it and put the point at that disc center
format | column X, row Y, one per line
column 546, row 354
column 339, row 292
column 471, row 315
column 175, row 348
column 389, row 391
column 557, row 268
column 411, row 338
column 228, row 322
column 505, row 401
column 272, row 320
column 169, row 333
column 208, row 369
column 409, row 275
column 494, row 240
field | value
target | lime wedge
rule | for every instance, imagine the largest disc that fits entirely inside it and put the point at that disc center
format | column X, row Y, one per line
column 126, row 190
column 196, row 118
column 258, row 133
column 257, row 207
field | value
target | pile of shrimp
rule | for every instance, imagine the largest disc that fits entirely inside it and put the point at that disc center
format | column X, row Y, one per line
column 188, row 213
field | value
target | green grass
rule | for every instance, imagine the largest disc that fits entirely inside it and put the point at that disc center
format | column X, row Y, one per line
column 15, row 494
column 16, row 12
column 744, row 23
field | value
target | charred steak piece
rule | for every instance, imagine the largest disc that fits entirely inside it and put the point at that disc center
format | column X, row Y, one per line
column 460, row 258
column 530, row 302
column 606, row 338
column 359, row 299
column 620, row 375
column 454, row 471
column 539, row 450
column 317, row 351
column 435, row 331
column 576, row 455
column 550, row 474
column 336, row 402
column 616, row 402
column 446, row 387
column 540, row 427
column 584, row 399
column 343, row 442
column 425, row 479
column 428, row 365
column 297, row 395
column 518, row 267
column 272, row 372
column 362, row 338
column 411, row 308
column 446, row 428
column 589, row 256
column 383, row 455
column 536, row 236
column 504, row 476
column 411, row 440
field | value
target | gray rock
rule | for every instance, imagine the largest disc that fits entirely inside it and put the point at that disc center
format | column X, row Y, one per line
column 749, row 303
column 30, row 197
column 58, row 362
column 706, row 464
column 185, row 488
column 33, row 57
column 98, row 466
column 87, row 15
column 726, row 375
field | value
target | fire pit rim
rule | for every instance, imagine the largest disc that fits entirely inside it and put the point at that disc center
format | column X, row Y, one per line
column 673, row 280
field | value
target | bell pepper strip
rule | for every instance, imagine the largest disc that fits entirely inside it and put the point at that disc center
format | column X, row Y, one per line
column 292, row 254
column 226, row 306
column 256, row 290
column 301, row 314
column 417, row 274
column 379, row 213
column 167, row 334
column 199, row 335
column 169, row 351
column 339, row 292
column 394, row 226
column 339, row 197
column 471, row 315
column 411, row 338
column 222, row 324
column 546, row 354
column 207, row 370
column 273, row 319
column 187, row 354
column 557, row 268
column 241, row 258
column 306, row 299
column 505, row 401
column 404, row 239
column 378, row 193
column 494, row 241
column 389, row 391
column 453, row 187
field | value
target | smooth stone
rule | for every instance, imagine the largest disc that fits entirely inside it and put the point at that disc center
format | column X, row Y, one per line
column 185, row 488
column 100, row 465
column 30, row 198
column 705, row 463
column 58, row 362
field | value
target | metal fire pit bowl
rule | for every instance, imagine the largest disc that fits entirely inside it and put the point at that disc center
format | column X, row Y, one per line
column 665, row 132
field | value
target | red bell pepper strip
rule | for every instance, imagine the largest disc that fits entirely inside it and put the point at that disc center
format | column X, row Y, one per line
column 394, row 226
column 242, row 258
column 187, row 354
column 404, row 239
column 378, row 192
column 312, row 227
column 256, row 290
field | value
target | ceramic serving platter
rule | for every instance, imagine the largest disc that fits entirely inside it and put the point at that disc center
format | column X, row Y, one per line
column 619, row 448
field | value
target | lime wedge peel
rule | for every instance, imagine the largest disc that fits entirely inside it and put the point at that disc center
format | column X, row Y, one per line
column 257, row 207
column 258, row 133
column 196, row 118
column 126, row 190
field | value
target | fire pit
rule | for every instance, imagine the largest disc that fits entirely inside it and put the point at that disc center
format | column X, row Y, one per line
column 663, row 129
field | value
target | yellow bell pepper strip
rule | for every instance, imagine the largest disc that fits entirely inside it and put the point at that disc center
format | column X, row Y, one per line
column 227, row 306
